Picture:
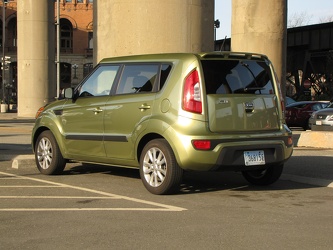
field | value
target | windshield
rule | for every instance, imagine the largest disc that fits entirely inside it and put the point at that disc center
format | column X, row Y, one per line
column 330, row 105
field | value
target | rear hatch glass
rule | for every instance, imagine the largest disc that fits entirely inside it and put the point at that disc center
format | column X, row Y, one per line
column 241, row 95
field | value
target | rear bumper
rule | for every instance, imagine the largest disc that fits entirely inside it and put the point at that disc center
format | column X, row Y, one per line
column 232, row 157
column 229, row 155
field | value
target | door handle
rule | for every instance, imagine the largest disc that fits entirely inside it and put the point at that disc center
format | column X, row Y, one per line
column 144, row 107
column 97, row 110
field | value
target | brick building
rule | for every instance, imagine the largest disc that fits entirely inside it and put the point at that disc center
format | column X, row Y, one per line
column 76, row 41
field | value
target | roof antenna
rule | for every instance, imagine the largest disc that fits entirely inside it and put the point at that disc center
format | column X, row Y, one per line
column 222, row 46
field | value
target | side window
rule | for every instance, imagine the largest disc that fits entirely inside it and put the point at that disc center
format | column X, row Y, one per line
column 165, row 71
column 138, row 78
column 317, row 106
column 100, row 82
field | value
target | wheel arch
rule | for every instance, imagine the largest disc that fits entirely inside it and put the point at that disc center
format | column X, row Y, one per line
column 36, row 134
column 40, row 129
column 144, row 140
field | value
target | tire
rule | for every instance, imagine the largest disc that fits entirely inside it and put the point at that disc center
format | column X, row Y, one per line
column 263, row 177
column 48, row 157
column 159, row 170
column 306, row 125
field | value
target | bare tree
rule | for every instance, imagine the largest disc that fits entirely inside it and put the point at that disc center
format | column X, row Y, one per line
column 326, row 19
column 299, row 19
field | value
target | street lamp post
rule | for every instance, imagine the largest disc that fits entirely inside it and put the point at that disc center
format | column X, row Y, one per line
column 4, row 2
column 75, row 78
column 75, row 67
column 216, row 26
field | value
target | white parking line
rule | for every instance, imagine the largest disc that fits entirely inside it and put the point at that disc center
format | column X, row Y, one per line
column 104, row 195
column 57, row 197
column 16, row 186
column 86, row 209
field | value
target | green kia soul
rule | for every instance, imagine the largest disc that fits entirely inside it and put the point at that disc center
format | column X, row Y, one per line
column 169, row 113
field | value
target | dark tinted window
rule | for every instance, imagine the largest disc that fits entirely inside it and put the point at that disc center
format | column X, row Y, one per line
column 237, row 76
column 165, row 71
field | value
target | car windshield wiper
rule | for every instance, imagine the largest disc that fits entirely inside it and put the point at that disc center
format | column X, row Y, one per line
column 248, row 90
column 251, row 72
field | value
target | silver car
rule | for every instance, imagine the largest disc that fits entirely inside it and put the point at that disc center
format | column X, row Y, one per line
column 322, row 119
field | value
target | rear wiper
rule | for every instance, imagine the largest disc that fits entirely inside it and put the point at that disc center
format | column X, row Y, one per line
column 248, row 90
column 251, row 72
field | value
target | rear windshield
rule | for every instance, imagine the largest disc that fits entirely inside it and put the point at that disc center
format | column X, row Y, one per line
column 237, row 76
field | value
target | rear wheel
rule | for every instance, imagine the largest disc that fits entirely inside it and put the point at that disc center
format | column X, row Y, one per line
column 159, row 169
column 48, row 157
column 264, row 177
column 306, row 125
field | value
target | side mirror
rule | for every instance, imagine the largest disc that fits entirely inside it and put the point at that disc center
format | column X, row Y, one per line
column 68, row 93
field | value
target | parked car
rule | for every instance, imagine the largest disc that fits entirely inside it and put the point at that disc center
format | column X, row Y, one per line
column 169, row 113
column 322, row 119
column 297, row 114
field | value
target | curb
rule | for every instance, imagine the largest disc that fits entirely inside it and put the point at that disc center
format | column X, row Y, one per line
column 23, row 161
column 316, row 139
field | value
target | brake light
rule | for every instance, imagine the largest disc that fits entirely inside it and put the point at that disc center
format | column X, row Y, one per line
column 192, row 93
column 201, row 144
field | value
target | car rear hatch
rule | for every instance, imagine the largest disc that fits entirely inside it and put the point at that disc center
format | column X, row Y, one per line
column 241, row 96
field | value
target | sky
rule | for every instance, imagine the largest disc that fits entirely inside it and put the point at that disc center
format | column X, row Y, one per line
column 313, row 9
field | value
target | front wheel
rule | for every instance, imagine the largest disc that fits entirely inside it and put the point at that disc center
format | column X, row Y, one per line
column 159, row 169
column 48, row 157
column 263, row 177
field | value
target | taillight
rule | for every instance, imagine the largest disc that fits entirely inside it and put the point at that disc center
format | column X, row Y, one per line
column 192, row 93
column 201, row 144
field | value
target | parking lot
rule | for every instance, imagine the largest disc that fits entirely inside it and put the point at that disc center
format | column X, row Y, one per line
column 99, row 207
column 22, row 188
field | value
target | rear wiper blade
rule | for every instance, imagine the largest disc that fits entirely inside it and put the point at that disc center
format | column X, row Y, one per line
column 248, row 90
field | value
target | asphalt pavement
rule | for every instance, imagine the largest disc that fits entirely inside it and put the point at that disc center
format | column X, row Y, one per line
column 309, row 164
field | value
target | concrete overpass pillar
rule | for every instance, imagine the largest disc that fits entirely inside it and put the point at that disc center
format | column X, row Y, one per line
column 261, row 26
column 125, row 27
column 36, row 55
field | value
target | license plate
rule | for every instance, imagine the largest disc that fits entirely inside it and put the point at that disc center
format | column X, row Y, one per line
column 254, row 158
column 318, row 123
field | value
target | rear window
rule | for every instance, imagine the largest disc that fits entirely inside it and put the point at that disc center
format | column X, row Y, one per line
column 237, row 76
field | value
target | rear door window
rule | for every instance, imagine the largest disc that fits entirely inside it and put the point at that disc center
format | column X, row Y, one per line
column 237, row 76
column 143, row 78
column 137, row 78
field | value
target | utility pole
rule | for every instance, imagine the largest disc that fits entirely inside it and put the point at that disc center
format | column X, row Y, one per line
column 58, row 49
column 4, row 2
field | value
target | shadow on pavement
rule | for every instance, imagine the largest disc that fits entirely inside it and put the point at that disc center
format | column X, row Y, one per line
column 193, row 182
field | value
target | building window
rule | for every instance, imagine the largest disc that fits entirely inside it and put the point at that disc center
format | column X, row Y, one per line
column 87, row 68
column 1, row 40
column 12, row 34
column 90, row 40
column 66, row 36
column 65, row 75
